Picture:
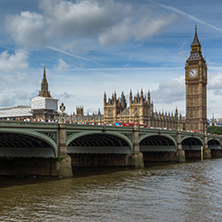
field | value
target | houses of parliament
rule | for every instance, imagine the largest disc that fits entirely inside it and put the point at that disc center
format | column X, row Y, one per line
column 140, row 107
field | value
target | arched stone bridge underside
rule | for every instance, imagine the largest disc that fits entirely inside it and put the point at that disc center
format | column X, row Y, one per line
column 195, row 143
column 99, row 143
column 21, row 139
column 214, row 144
column 22, row 145
column 192, row 143
column 157, row 143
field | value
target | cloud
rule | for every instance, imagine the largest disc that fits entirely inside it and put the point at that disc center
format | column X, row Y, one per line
column 169, row 91
column 218, row 92
column 143, row 27
column 12, row 81
column 21, row 95
column 15, row 62
column 108, row 22
column 65, row 95
column 215, row 81
column 185, row 14
column 28, row 29
column 62, row 65
column 5, row 101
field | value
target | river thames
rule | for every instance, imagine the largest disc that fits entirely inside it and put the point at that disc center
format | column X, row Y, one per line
column 175, row 192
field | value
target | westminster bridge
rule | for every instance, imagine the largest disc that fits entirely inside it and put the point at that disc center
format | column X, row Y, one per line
column 54, row 148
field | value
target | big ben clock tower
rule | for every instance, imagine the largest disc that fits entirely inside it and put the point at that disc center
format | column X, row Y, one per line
column 196, row 88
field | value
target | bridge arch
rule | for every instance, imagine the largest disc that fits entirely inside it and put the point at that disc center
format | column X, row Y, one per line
column 192, row 143
column 26, row 143
column 102, row 143
column 158, row 143
column 214, row 144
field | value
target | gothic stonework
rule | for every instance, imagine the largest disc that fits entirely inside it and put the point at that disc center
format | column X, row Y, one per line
column 141, row 107
column 196, row 88
column 44, row 87
column 44, row 106
column 140, row 110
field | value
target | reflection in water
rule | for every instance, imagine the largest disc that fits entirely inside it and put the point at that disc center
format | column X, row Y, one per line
column 178, row 192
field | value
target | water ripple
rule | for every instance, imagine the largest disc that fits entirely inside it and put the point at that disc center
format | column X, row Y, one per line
column 177, row 192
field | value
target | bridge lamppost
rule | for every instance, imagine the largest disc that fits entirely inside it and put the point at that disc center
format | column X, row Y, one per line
column 62, row 108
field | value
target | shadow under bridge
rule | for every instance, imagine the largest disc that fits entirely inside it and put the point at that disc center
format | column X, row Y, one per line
column 192, row 143
column 24, row 145
column 214, row 144
column 97, row 143
column 158, row 143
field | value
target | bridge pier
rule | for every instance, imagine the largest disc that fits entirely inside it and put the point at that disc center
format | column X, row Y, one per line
column 207, row 151
column 62, row 165
column 136, row 158
column 180, row 152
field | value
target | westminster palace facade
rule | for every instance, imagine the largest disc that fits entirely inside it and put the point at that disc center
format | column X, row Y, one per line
column 140, row 107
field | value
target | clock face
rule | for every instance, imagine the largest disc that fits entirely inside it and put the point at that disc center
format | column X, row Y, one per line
column 193, row 73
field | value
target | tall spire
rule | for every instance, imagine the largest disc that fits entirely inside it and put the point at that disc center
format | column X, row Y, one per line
column 195, row 53
column 148, row 97
column 195, row 40
column 104, row 98
column 44, row 86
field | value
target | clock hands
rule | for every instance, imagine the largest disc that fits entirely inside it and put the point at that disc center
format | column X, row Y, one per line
column 193, row 73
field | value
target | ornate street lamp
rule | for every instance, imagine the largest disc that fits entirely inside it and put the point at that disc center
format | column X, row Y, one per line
column 62, row 108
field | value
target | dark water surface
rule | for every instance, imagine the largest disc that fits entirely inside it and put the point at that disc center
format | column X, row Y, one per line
column 177, row 192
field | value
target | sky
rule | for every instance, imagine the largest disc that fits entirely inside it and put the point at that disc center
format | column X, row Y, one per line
column 89, row 47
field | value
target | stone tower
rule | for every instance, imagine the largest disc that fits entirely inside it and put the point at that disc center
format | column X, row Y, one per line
column 44, row 106
column 113, row 107
column 44, row 87
column 140, row 107
column 196, row 88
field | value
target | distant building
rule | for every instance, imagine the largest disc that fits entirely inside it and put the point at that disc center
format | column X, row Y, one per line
column 140, row 107
column 42, row 107
column 215, row 122
column 79, row 117
column 16, row 112
column 140, row 110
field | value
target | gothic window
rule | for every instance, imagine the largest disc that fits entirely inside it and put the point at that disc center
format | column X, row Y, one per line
column 136, row 111
column 110, row 113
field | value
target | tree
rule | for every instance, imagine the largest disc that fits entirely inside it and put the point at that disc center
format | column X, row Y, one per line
column 215, row 130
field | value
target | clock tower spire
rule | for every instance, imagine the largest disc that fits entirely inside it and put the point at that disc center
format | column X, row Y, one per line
column 196, row 88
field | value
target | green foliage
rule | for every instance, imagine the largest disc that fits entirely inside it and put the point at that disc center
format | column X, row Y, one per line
column 215, row 130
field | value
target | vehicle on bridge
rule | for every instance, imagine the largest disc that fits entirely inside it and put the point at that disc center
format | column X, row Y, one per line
column 130, row 124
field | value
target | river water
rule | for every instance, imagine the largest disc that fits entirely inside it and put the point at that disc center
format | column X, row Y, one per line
column 177, row 192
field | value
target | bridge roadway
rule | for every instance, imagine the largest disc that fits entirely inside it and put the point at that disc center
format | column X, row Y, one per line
column 131, row 146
